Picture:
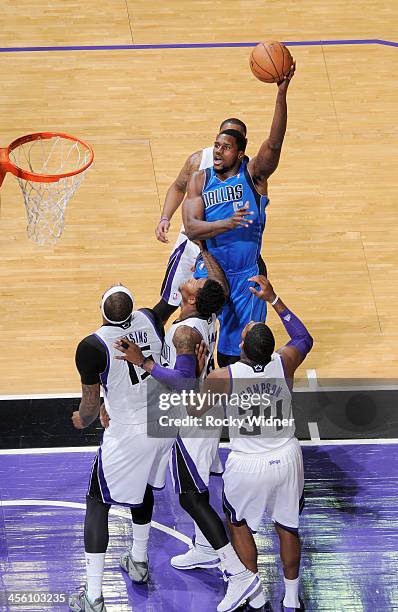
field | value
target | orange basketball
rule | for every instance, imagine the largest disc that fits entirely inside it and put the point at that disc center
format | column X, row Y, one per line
column 270, row 61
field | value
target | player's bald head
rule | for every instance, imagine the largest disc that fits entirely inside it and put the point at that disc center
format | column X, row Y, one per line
column 234, row 124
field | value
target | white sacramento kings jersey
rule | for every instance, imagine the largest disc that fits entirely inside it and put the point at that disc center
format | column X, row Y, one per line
column 260, row 407
column 207, row 158
column 206, row 328
column 124, row 384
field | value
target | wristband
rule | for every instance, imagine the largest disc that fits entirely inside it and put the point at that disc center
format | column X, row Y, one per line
column 165, row 219
column 275, row 301
column 141, row 365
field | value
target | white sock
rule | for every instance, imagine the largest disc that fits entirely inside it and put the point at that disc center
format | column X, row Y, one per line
column 139, row 550
column 291, row 599
column 94, row 570
column 230, row 559
column 201, row 541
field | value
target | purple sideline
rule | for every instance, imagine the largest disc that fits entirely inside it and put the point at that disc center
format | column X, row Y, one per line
column 303, row 43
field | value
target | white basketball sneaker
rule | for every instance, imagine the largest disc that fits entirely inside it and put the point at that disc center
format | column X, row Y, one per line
column 240, row 588
column 197, row 557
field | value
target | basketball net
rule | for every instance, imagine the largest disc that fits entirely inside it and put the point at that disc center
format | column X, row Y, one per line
column 49, row 168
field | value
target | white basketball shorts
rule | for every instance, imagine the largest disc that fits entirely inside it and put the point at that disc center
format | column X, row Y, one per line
column 192, row 461
column 126, row 462
column 179, row 269
column 271, row 482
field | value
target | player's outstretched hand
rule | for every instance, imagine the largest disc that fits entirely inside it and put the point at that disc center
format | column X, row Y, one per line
column 241, row 217
column 131, row 350
column 201, row 352
column 266, row 291
column 104, row 417
column 161, row 230
column 284, row 84
column 76, row 420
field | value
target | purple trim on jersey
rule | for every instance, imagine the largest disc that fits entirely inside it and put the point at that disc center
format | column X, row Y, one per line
column 289, row 529
column 216, row 473
column 91, row 474
column 106, row 496
column 104, row 375
column 191, row 467
column 177, row 484
column 199, row 332
column 158, row 333
column 232, row 514
column 230, row 380
column 230, row 508
column 172, row 268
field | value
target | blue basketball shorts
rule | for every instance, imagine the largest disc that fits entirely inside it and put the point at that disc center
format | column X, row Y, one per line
column 242, row 307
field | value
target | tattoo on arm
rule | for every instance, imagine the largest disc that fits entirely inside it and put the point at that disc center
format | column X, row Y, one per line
column 185, row 340
column 90, row 403
column 190, row 166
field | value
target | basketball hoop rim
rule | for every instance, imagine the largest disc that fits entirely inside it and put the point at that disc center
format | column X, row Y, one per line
column 6, row 165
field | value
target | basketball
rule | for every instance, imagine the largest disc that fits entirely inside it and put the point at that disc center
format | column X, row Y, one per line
column 270, row 61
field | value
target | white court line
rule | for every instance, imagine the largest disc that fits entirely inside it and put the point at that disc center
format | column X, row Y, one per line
column 93, row 449
column 42, row 396
column 337, row 442
column 312, row 379
column 49, row 451
column 115, row 511
column 314, row 431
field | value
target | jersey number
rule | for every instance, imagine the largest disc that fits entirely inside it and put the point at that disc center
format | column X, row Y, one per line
column 255, row 430
column 134, row 377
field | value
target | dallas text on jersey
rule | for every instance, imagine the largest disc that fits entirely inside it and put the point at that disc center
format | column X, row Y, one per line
column 229, row 193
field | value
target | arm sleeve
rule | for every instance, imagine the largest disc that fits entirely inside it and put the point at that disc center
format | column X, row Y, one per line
column 91, row 360
column 300, row 337
column 183, row 376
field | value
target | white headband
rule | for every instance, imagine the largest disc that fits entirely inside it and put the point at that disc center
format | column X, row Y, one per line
column 111, row 291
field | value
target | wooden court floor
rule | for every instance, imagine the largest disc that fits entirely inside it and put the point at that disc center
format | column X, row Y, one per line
column 331, row 241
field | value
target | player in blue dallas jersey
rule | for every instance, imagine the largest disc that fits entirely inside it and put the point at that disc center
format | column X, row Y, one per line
column 225, row 206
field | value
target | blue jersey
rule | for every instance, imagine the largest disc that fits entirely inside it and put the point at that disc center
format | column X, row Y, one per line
column 238, row 249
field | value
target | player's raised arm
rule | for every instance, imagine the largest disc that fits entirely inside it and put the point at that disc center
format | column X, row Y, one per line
column 175, row 195
column 301, row 342
column 267, row 159
column 193, row 212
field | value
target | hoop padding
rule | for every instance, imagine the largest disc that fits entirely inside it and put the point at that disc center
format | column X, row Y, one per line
column 49, row 168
